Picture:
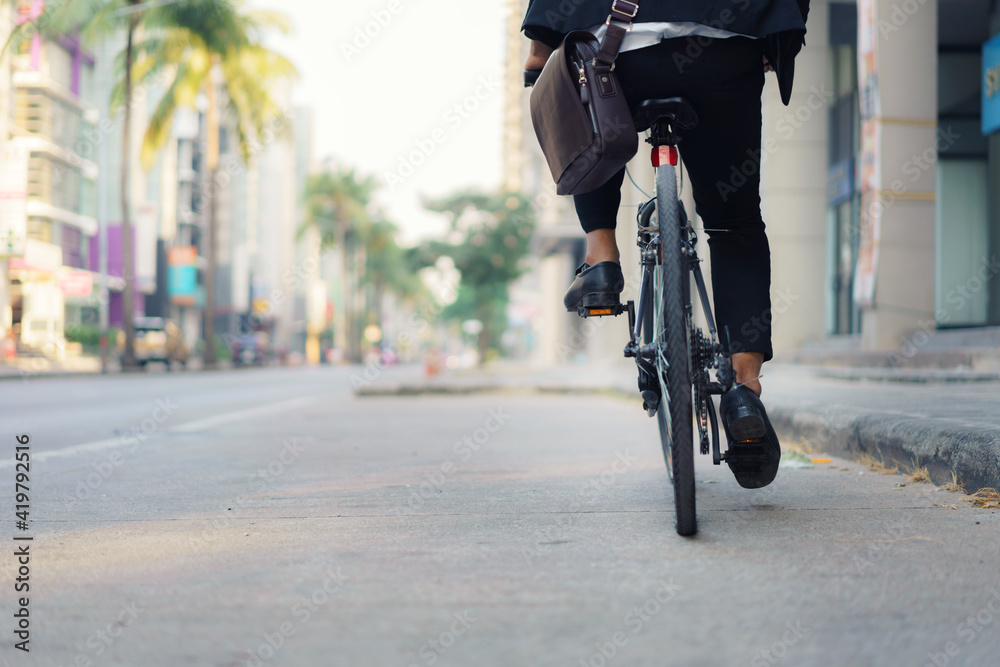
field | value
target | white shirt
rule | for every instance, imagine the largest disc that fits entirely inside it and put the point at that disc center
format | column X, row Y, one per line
column 648, row 34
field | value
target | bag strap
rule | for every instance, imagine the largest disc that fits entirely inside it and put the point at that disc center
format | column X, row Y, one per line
column 619, row 24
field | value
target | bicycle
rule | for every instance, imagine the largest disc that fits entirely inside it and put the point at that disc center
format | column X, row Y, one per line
column 673, row 355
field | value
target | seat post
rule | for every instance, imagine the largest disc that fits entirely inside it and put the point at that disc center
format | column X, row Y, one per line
column 661, row 133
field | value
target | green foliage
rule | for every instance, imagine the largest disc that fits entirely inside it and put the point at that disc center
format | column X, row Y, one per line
column 337, row 202
column 88, row 335
column 493, row 233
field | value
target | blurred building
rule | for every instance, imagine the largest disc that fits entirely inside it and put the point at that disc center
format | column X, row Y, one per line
column 183, row 298
column 273, row 235
column 880, row 185
column 49, row 120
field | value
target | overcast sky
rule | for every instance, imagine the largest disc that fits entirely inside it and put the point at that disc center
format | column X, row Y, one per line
column 383, row 78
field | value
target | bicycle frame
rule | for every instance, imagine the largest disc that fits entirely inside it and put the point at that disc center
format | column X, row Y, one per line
column 710, row 352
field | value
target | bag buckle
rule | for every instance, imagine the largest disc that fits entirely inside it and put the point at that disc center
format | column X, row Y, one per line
column 628, row 28
column 614, row 8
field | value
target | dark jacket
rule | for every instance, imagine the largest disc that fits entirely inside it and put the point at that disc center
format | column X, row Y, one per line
column 781, row 23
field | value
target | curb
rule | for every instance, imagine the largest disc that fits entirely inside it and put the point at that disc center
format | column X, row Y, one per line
column 971, row 454
column 37, row 375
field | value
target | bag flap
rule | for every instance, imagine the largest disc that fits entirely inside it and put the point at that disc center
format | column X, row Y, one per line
column 558, row 115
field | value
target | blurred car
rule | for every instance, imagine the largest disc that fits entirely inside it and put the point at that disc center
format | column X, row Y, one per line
column 250, row 349
column 156, row 339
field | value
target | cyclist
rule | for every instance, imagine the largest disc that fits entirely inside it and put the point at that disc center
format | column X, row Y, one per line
column 714, row 53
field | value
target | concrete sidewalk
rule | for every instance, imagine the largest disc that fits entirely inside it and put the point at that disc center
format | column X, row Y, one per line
column 948, row 422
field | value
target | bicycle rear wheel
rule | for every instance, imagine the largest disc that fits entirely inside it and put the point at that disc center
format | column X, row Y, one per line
column 672, row 328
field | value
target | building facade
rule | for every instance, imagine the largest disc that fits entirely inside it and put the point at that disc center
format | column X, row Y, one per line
column 50, row 119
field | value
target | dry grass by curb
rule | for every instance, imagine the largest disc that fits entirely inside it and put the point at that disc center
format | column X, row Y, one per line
column 954, row 485
column 876, row 464
column 916, row 475
column 987, row 498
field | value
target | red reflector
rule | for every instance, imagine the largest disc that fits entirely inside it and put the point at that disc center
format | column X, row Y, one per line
column 664, row 155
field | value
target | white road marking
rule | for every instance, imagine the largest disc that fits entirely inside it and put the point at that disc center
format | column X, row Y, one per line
column 187, row 427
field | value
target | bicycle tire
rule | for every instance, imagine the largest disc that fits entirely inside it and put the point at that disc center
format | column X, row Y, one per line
column 673, row 359
column 648, row 325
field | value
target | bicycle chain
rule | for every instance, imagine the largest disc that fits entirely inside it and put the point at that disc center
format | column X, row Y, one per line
column 702, row 353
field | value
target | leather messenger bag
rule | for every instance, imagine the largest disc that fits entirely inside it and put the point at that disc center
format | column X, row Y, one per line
column 578, row 108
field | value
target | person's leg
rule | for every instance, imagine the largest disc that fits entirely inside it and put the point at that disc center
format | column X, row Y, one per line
column 598, row 214
column 599, row 281
column 722, row 156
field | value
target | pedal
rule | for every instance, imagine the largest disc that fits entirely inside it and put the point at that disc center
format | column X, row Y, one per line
column 746, row 459
column 600, row 311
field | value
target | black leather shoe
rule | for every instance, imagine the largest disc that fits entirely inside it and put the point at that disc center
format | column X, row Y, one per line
column 754, row 451
column 595, row 286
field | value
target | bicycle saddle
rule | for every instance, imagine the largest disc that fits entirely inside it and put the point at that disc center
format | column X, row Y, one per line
column 675, row 110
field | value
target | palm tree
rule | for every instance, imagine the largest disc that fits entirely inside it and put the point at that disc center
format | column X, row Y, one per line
column 386, row 267
column 338, row 205
column 206, row 51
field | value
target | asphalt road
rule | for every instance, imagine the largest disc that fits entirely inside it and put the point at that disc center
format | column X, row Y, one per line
column 269, row 517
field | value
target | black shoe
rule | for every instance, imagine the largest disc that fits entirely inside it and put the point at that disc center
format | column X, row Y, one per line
column 754, row 451
column 596, row 286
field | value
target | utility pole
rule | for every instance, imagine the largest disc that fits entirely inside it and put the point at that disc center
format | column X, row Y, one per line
column 104, row 86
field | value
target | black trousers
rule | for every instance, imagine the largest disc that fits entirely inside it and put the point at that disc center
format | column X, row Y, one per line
column 723, row 82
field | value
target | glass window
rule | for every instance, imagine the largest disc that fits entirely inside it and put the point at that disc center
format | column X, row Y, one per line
column 961, row 246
